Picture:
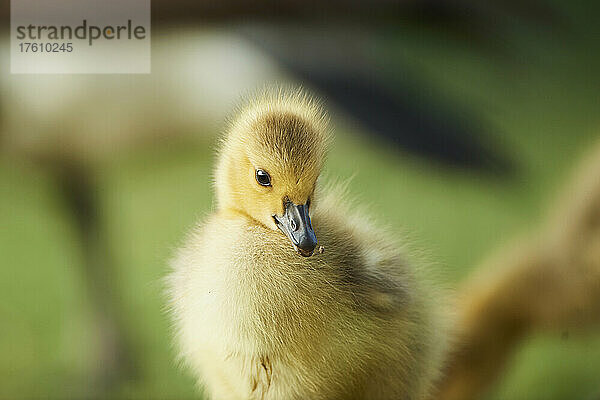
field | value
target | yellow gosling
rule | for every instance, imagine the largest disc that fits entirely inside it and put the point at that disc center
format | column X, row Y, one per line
column 260, row 313
column 549, row 281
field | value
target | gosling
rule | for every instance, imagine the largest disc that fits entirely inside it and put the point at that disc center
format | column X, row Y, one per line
column 264, row 310
column 548, row 281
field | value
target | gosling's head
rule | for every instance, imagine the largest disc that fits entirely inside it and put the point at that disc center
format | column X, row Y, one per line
column 269, row 163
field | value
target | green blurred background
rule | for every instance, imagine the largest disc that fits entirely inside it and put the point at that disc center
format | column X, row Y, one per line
column 534, row 84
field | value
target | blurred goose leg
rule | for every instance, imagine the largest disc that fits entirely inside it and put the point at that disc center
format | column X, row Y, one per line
column 115, row 361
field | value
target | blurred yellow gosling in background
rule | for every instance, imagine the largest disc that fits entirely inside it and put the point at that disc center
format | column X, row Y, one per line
column 548, row 282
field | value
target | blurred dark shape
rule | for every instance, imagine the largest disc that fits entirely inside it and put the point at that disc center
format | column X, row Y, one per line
column 426, row 130
column 549, row 281
column 459, row 15
column 370, row 12
column 339, row 65
column 116, row 360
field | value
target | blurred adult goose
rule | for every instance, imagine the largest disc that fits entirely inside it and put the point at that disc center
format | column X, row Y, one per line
column 261, row 312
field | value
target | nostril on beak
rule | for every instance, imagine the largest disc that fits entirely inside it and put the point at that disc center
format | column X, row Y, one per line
column 293, row 225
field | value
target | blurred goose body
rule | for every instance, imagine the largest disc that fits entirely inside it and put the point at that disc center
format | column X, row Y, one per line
column 260, row 313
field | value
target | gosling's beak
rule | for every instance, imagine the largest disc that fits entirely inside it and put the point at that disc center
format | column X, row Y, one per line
column 295, row 223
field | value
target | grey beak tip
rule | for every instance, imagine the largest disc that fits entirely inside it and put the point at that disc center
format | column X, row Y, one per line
column 295, row 223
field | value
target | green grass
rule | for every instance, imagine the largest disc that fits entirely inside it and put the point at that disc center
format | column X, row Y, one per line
column 543, row 108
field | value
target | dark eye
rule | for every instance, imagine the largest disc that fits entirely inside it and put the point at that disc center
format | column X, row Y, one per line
column 263, row 178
